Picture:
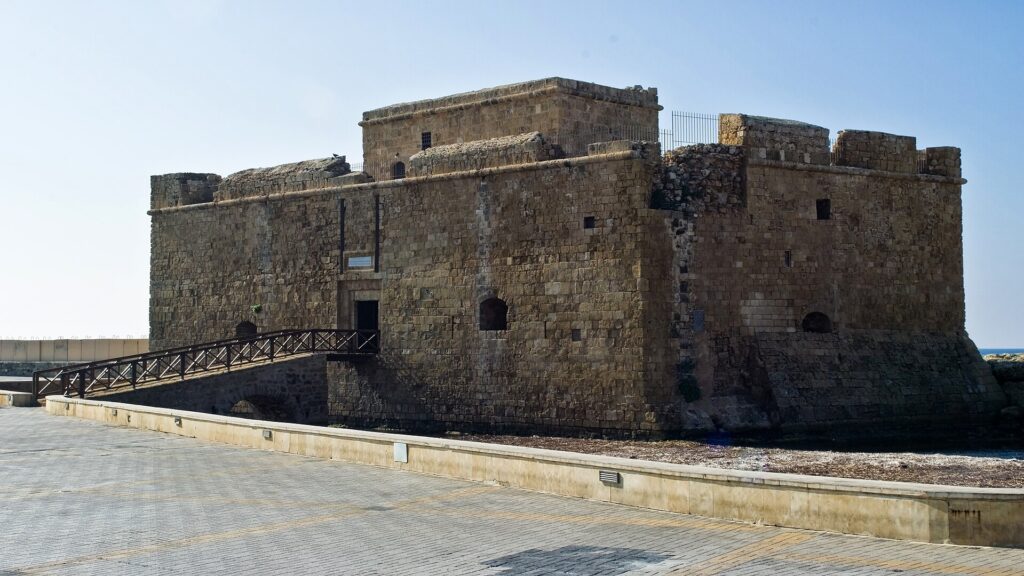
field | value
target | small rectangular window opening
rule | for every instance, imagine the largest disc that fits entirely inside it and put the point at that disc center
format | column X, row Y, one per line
column 577, row 334
column 824, row 207
column 425, row 140
column 360, row 262
column 789, row 258
column 589, row 222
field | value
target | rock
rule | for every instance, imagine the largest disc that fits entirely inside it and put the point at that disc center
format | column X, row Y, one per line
column 1015, row 392
column 1007, row 367
column 1010, row 417
column 697, row 420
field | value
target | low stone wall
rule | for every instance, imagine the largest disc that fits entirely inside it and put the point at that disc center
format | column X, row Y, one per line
column 925, row 513
column 14, row 399
column 291, row 390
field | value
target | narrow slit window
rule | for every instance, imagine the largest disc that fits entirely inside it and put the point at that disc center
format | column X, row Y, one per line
column 824, row 208
column 788, row 258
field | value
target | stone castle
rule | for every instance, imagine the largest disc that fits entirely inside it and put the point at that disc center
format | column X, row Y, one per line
column 534, row 263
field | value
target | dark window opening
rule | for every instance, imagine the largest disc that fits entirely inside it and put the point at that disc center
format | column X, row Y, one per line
column 246, row 329
column 788, row 258
column 824, row 207
column 425, row 140
column 817, row 322
column 367, row 315
column 589, row 222
column 398, row 170
column 576, row 335
column 493, row 314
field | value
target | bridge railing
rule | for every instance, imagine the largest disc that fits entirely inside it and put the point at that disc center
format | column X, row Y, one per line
column 131, row 371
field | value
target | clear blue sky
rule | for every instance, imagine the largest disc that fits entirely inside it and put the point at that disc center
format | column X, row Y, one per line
column 97, row 96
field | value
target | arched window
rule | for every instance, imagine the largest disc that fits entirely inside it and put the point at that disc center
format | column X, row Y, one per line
column 817, row 322
column 398, row 170
column 493, row 314
column 246, row 329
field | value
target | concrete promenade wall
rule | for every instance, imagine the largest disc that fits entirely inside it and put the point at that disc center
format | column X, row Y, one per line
column 904, row 511
column 66, row 351
column 16, row 399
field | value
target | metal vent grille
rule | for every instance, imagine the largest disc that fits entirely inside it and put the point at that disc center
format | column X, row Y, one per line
column 609, row 477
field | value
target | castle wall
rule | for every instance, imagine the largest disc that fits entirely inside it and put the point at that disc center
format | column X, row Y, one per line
column 561, row 242
column 567, row 112
column 574, row 355
column 211, row 263
column 884, row 264
column 763, row 283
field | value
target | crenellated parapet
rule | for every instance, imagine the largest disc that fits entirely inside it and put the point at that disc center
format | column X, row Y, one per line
column 775, row 138
column 876, row 151
column 182, row 189
column 940, row 161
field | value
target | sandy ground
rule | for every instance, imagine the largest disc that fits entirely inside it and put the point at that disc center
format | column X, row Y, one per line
column 991, row 468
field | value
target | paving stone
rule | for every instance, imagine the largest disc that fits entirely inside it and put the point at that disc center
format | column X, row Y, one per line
column 79, row 497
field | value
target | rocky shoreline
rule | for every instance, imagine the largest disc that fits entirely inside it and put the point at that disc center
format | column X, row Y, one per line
column 984, row 468
column 1008, row 370
column 995, row 468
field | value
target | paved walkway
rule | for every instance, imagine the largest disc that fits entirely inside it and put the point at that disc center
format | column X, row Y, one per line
column 78, row 497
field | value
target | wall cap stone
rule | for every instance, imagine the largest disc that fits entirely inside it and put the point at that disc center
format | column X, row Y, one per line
column 854, row 171
column 635, row 96
column 483, row 172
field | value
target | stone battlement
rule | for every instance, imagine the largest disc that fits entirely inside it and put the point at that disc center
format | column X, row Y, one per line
column 797, row 141
column 792, row 141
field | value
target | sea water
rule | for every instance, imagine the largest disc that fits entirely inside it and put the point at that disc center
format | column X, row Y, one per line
column 987, row 351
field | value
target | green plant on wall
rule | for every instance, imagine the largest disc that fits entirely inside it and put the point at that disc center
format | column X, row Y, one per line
column 256, row 308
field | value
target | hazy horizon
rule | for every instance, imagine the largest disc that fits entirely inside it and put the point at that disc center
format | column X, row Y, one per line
column 101, row 95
